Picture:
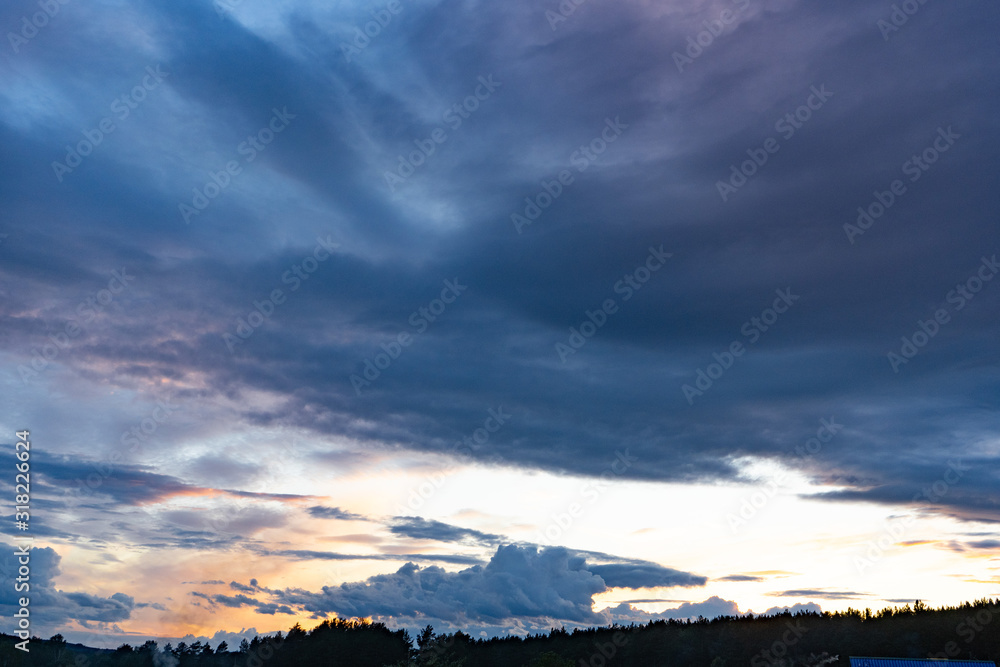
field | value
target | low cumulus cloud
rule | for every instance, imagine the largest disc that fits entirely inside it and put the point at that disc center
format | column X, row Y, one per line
column 710, row 608
column 52, row 608
column 807, row 607
column 713, row 607
column 519, row 582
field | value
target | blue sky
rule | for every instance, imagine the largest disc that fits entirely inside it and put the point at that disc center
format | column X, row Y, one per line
column 498, row 316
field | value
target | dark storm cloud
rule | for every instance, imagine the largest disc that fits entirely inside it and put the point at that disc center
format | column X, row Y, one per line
column 965, row 487
column 495, row 344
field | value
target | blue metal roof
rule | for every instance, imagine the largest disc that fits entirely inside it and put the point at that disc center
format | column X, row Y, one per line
column 910, row 662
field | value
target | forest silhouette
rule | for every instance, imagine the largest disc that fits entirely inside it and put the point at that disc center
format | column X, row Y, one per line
column 967, row 631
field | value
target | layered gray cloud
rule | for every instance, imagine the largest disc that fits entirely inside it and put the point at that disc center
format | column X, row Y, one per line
column 820, row 593
column 644, row 575
column 426, row 529
column 333, row 513
column 244, row 601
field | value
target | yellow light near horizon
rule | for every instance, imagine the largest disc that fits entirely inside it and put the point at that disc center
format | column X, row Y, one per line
column 793, row 543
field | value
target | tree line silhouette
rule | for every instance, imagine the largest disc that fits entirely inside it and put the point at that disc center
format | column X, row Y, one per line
column 805, row 639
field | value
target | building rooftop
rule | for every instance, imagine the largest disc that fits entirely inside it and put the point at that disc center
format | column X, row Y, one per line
column 917, row 662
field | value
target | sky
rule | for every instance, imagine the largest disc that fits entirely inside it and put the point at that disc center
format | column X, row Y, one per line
column 496, row 316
